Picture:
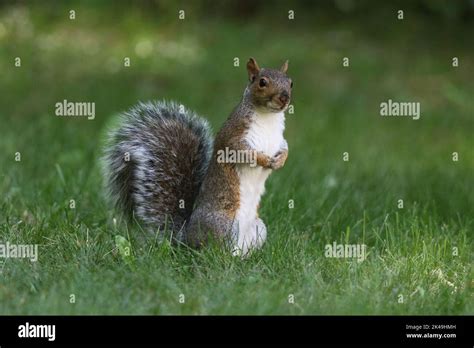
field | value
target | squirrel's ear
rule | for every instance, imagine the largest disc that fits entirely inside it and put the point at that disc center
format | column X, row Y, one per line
column 252, row 68
column 284, row 67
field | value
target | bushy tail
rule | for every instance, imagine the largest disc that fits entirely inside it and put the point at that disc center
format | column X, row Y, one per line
column 155, row 162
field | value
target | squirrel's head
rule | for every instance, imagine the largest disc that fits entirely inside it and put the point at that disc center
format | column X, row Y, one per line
column 269, row 90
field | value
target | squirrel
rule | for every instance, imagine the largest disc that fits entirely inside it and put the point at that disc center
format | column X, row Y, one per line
column 162, row 166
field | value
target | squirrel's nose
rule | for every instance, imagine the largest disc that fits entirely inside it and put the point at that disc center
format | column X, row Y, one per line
column 284, row 97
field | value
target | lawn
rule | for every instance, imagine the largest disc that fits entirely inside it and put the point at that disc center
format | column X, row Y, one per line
column 419, row 255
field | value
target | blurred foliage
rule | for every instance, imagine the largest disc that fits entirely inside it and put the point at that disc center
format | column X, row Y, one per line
column 455, row 10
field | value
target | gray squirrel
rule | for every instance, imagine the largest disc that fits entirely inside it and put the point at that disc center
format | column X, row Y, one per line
column 162, row 166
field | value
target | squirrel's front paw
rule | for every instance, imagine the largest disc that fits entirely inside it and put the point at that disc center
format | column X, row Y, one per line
column 279, row 159
column 264, row 160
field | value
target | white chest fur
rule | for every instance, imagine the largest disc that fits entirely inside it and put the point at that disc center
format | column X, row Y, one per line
column 265, row 134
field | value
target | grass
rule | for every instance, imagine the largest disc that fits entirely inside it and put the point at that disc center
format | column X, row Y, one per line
column 410, row 250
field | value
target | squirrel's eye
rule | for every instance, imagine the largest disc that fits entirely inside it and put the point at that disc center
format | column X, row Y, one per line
column 262, row 83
